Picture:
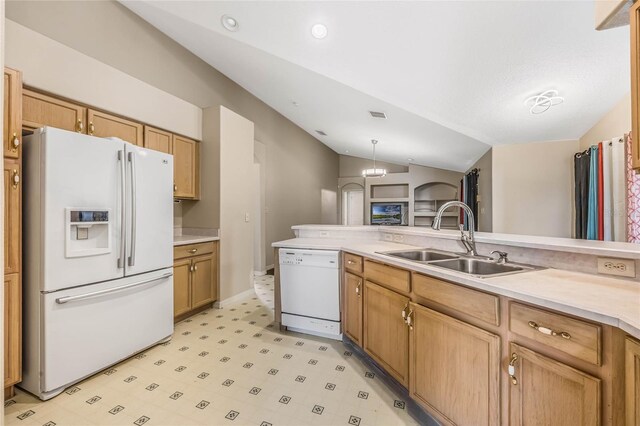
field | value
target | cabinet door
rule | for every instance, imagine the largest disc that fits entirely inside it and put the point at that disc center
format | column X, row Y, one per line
column 12, row 107
column 40, row 110
column 12, row 216
column 181, row 287
column 634, row 21
column 547, row 392
column 105, row 125
column 454, row 369
column 186, row 168
column 12, row 330
column 632, row 381
column 157, row 139
column 386, row 336
column 202, row 282
column 353, row 307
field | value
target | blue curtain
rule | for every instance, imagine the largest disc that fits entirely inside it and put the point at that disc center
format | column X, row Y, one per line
column 592, row 218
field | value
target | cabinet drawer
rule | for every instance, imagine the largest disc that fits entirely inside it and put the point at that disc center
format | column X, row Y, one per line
column 193, row 250
column 480, row 305
column 577, row 338
column 353, row 263
column 388, row 276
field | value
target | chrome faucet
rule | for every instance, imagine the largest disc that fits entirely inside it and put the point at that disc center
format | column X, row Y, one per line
column 468, row 241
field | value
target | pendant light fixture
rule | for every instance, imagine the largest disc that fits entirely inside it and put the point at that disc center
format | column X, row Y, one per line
column 374, row 172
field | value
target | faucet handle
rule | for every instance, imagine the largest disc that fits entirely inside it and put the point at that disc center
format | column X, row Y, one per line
column 503, row 256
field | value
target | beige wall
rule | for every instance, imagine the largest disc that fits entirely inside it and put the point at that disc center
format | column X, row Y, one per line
column 353, row 166
column 615, row 123
column 301, row 171
column 49, row 65
column 533, row 188
column 485, row 192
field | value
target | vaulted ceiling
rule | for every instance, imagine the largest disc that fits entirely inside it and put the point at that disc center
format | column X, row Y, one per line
column 452, row 77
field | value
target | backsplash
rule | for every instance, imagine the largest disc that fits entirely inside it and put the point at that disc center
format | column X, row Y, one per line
column 177, row 215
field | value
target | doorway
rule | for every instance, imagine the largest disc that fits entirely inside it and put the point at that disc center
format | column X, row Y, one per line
column 352, row 205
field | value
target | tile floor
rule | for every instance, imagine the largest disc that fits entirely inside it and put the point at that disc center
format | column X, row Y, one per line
column 225, row 366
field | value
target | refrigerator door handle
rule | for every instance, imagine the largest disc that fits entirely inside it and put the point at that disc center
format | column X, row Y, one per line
column 134, row 195
column 123, row 216
column 63, row 300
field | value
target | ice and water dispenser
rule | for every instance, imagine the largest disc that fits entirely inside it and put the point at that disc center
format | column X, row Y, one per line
column 87, row 232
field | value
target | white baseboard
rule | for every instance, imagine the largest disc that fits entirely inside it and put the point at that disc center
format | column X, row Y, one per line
column 259, row 273
column 233, row 299
column 269, row 267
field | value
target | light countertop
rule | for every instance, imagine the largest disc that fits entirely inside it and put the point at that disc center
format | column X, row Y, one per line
column 602, row 299
column 182, row 240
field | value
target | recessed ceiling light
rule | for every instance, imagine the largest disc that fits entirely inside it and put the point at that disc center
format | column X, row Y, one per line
column 346, row 151
column 540, row 103
column 230, row 23
column 319, row 31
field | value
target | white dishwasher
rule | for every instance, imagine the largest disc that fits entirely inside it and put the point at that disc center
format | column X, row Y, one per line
column 310, row 291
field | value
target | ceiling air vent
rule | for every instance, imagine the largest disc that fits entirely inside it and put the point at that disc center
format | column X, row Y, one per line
column 321, row 133
column 377, row 114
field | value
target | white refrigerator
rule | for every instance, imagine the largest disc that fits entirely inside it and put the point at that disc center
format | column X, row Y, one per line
column 98, row 255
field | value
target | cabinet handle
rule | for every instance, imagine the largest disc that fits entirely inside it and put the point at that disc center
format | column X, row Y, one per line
column 358, row 287
column 193, row 250
column 512, row 368
column 549, row 331
column 79, row 126
column 175, row 187
column 15, row 142
column 15, row 179
column 404, row 312
column 191, row 268
column 410, row 319
column 92, row 128
column 351, row 262
column 195, row 268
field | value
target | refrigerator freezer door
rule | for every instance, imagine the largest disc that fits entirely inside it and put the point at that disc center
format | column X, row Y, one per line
column 79, row 209
column 149, row 239
column 89, row 328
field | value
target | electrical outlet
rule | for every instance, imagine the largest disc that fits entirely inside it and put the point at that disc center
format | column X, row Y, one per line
column 618, row 267
column 398, row 238
column 246, row 217
column 388, row 237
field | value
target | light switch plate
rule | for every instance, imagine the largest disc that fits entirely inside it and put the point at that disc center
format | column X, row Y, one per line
column 617, row 267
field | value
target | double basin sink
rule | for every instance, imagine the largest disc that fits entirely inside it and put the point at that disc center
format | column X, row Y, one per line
column 472, row 265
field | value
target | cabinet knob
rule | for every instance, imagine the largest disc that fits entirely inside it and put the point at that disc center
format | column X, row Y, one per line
column 193, row 250
column 79, row 126
column 512, row 368
column 175, row 187
column 15, row 178
column 15, row 142
column 195, row 268
column 92, row 128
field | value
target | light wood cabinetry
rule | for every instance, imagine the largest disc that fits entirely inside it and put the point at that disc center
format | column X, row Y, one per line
column 632, row 381
column 454, row 369
column 157, row 139
column 12, row 216
column 388, row 276
column 39, row 110
column 195, row 277
column 544, row 391
column 353, row 263
column 12, row 330
column 634, row 20
column 353, row 289
column 386, row 336
column 104, row 125
column 186, row 168
column 12, row 110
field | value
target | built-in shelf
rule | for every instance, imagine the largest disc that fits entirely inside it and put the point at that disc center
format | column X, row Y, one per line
column 399, row 190
column 432, row 214
column 389, row 200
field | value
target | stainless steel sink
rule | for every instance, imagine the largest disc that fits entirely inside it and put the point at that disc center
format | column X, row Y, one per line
column 480, row 267
column 423, row 255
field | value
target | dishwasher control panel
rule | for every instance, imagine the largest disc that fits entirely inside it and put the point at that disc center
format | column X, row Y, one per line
column 319, row 258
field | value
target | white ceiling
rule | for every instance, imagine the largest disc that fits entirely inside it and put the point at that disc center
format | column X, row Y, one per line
column 451, row 76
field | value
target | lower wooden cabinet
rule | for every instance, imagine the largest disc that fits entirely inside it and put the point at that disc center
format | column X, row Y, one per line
column 544, row 391
column 12, row 330
column 632, row 381
column 353, row 288
column 454, row 369
column 195, row 277
column 386, row 335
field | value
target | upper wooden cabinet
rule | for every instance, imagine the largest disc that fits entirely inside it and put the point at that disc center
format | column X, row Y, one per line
column 12, row 107
column 40, row 110
column 386, row 336
column 632, row 381
column 547, row 392
column 186, row 168
column 455, row 369
column 634, row 20
column 158, row 140
column 105, row 125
